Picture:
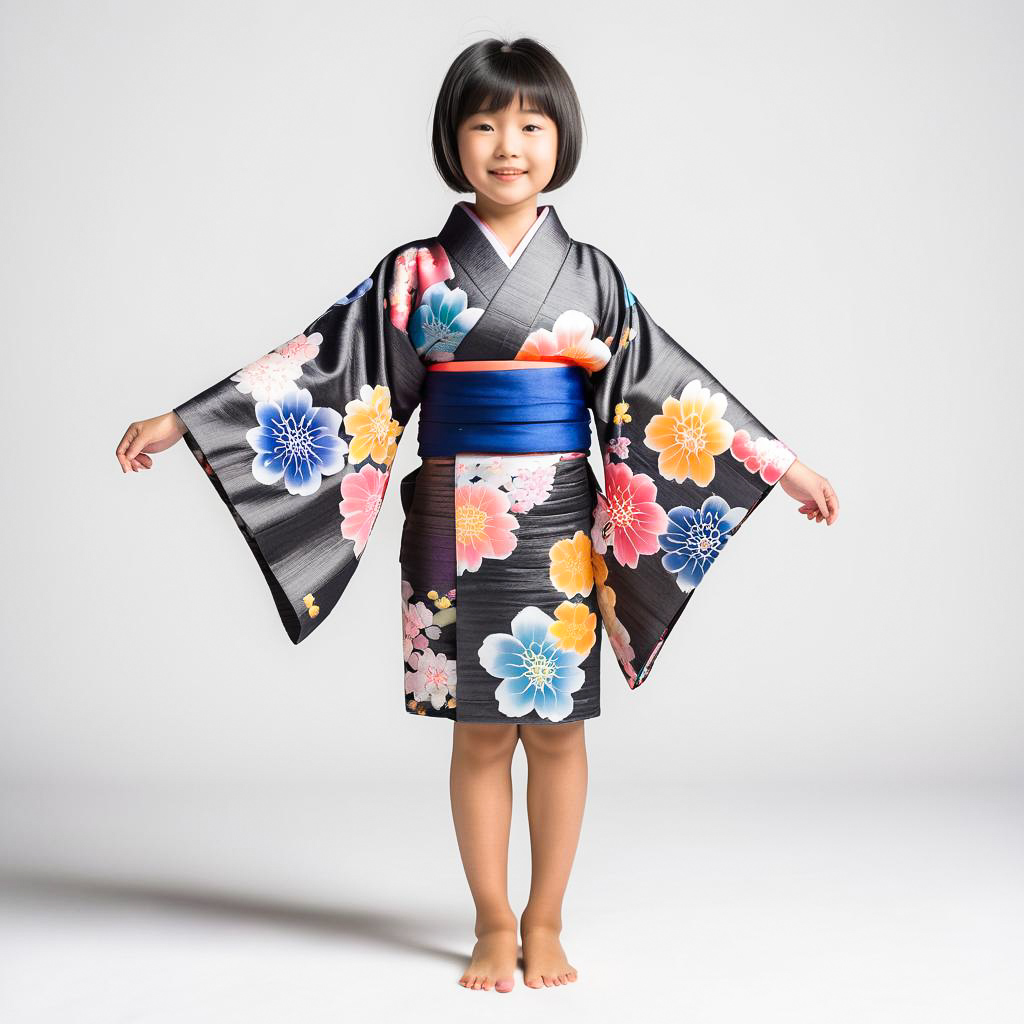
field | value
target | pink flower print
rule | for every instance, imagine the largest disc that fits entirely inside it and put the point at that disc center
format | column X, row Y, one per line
column 767, row 456
column 362, row 494
column 301, row 349
column 571, row 340
column 635, row 515
column 530, row 487
column 433, row 677
column 601, row 531
column 272, row 376
column 415, row 270
column 619, row 446
column 483, row 526
column 417, row 624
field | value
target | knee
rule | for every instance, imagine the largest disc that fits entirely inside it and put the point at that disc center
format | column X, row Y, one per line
column 485, row 741
column 551, row 740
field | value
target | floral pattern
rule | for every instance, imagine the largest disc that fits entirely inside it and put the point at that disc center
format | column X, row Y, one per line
column 442, row 319
column 431, row 675
column 297, row 441
column 695, row 537
column 628, row 517
column 571, row 339
column 575, row 627
column 688, row 433
column 374, row 430
column 362, row 493
column 273, row 375
column 483, row 526
column 767, row 456
column 571, row 569
column 415, row 269
column 536, row 672
column 432, row 678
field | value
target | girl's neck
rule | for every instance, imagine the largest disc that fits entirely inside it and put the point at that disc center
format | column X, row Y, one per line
column 509, row 223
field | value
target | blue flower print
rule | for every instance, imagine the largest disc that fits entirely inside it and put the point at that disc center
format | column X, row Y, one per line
column 296, row 440
column 536, row 674
column 695, row 537
column 441, row 321
column 360, row 289
column 630, row 297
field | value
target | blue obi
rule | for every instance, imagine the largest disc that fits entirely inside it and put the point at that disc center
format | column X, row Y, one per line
column 541, row 409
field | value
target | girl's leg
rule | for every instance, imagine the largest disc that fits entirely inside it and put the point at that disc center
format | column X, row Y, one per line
column 555, row 796
column 481, row 795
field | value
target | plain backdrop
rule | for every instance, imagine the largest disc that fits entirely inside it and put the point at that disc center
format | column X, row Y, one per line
column 821, row 201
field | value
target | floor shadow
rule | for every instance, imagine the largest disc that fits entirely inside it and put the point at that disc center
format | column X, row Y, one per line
column 396, row 931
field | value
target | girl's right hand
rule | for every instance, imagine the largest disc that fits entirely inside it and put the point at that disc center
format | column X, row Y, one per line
column 152, row 435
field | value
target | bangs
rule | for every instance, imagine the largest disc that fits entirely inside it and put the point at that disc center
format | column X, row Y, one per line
column 490, row 93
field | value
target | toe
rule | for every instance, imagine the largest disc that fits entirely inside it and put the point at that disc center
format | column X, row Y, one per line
column 504, row 984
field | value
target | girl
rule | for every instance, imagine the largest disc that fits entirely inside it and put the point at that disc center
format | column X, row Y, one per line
column 509, row 333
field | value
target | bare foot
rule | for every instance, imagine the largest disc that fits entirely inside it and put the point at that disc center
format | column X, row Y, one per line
column 544, row 960
column 493, row 962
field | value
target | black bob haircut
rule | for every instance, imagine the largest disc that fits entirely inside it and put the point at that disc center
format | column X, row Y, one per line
column 486, row 76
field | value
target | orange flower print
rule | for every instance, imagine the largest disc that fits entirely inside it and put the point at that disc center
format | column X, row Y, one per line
column 572, row 570
column 575, row 627
column 571, row 340
column 368, row 419
column 689, row 432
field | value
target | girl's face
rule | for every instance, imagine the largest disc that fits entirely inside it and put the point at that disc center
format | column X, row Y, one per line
column 525, row 141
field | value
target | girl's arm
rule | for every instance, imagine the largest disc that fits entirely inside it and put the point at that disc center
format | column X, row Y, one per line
column 144, row 437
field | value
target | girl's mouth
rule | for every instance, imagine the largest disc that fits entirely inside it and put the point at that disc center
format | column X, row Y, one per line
column 507, row 175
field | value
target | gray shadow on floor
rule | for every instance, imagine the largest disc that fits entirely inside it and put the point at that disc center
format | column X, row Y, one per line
column 394, row 931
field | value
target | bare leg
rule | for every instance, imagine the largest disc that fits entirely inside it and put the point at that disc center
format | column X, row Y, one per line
column 555, row 797
column 481, row 795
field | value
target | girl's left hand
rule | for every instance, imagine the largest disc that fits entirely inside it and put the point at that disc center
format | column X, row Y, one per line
column 819, row 500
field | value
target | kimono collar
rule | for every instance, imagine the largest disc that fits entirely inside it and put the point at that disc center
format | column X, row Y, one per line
column 508, row 258
column 468, row 242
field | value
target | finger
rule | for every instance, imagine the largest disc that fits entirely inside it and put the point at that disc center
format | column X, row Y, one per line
column 123, row 447
column 138, row 442
column 819, row 498
column 144, row 460
column 833, row 501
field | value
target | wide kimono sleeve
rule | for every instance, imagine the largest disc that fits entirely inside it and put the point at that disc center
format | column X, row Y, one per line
column 685, row 464
column 299, row 445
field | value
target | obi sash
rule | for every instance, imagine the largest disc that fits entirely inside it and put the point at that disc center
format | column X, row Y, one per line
column 541, row 409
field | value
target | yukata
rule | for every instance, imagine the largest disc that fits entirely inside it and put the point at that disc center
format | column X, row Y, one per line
column 514, row 558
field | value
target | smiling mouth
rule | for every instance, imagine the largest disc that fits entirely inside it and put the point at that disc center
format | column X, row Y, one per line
column 507, row 174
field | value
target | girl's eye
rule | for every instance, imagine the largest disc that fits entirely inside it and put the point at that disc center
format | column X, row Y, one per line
column 481, row 127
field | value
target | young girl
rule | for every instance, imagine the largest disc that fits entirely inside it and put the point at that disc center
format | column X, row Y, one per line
column 509, row 333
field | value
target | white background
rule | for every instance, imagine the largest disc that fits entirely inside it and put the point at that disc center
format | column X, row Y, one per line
column 811, row 809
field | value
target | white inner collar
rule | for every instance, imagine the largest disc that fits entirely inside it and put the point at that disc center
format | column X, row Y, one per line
column 508, row 260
